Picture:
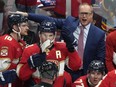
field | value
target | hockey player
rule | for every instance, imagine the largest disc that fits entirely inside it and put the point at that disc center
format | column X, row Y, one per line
column 109, row 80
column 96, row 71
column 49, row 50
column 11, row 48
column 48, row 73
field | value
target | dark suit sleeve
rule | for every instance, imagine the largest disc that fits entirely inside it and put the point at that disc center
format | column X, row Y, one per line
column 101, row 50
column 39, row 18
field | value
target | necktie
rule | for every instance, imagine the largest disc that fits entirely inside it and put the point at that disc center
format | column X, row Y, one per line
column 80, row 42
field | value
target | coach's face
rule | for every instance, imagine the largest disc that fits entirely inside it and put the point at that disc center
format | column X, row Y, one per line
column 85, row 14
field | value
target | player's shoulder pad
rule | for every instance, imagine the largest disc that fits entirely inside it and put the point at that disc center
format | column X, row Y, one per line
column 33, row 47
column 59, row 44
column 29, row 46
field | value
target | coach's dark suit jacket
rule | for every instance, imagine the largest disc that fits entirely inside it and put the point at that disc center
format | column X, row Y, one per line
column 95, row 44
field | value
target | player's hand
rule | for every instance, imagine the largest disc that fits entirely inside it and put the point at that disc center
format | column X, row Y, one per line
column 36, row 60
column 69, row 38
column 8, row 76
column 45, row 45
column 18, row 12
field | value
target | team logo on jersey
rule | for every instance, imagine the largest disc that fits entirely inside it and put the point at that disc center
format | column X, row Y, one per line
column 4, row 51
column 47, row 51
column 54, row 61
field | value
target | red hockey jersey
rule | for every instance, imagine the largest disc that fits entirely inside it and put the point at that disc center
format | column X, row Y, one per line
column 81, row 82
column 110, row 48
column 58, row 54
column 109, row 80
column 10, row 54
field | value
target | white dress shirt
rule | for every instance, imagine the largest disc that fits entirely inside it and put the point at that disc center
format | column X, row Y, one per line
column 77, row 32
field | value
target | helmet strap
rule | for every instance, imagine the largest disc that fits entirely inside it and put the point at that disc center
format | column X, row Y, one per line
column 18, row 33
column 54, row 38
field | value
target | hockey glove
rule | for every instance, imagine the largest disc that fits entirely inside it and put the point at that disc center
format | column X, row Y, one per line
column 36, row 60
column 45, row 45
column 8, row 76
column 69, row 38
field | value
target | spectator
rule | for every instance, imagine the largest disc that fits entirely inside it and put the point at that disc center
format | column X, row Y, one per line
column 11, row 48
column 94, row 44
column 48, row 73
column 48, row 49
column 60, row 8
column 2, row 4
column 107, row 11
column 96, row 71
column 26, row 5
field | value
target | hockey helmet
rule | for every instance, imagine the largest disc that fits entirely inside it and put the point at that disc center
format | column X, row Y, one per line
column 48, row 70
column 15, row 19
column 47, row 26
column 96, row 65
